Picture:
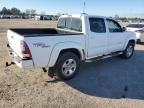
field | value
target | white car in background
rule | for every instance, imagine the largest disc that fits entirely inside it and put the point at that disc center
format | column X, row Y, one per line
column 138, row 29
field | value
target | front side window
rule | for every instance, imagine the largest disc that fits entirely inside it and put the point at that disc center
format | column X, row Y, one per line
column 97, row 25
column 113, row 26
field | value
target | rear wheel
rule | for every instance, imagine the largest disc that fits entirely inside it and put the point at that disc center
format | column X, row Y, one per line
column 67, row 66
column 128, row 51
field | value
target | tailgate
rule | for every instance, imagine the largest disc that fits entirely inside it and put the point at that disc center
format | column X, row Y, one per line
column 14, row 40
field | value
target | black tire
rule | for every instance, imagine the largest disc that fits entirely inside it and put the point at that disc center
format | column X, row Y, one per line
column 126, row 54
column 62, row 72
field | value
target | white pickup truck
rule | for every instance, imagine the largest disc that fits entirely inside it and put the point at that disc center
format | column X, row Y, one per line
column 77, row 38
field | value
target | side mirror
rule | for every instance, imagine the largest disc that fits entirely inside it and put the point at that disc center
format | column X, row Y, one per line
column 123, row 29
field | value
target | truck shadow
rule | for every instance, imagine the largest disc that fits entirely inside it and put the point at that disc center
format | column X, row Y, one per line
column 112, row 78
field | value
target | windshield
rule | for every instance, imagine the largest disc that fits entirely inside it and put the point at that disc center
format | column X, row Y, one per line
column 70, row 23
column 136, row 25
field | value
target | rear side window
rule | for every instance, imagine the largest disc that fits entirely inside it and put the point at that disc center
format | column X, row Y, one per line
column 61, row 23
column 70, row 23
column 76, row 24
column 97, row 25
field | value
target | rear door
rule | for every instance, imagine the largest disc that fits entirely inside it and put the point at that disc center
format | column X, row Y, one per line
column 116, row 36
column 98, row 39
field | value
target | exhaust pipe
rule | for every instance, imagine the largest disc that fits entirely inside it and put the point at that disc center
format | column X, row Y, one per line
column 44, row 69
column 9, row 64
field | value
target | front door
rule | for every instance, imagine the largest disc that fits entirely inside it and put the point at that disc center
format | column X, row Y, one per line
column 116, row 36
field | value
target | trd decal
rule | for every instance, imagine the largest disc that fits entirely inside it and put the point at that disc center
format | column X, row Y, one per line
column 40, row 45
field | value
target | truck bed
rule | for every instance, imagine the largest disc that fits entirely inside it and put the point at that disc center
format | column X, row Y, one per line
column 32, row 32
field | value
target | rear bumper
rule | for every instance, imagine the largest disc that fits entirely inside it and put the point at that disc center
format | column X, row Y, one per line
column 25, row 63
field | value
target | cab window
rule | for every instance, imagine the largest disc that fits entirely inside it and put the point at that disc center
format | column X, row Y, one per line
column 76, row 24
column 70, row 23
column 61, row 23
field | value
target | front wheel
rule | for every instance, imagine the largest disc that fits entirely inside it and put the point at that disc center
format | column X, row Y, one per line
column 67, row 66
column 128, row 51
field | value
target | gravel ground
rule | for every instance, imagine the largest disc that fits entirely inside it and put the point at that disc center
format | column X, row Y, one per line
column 110, row 83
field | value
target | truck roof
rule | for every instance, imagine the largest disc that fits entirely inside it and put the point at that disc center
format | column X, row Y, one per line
column 83, row 14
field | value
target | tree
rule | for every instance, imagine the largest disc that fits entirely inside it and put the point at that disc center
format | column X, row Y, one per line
column 4, row 11
column 59, row 14
column 116, row 16
column 32, row 12
column 12, row 11
column 15, row 11
column 27, row 12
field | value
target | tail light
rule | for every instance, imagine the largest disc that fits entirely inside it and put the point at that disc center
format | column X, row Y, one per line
column 139, row 31
column 25, row 50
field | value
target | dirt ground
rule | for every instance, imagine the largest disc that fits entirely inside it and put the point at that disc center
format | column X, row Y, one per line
column 110, row 83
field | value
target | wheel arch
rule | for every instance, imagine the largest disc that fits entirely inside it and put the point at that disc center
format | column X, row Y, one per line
column 132, row 41
column 127, row 42
column 61, row 48
column 73, row 50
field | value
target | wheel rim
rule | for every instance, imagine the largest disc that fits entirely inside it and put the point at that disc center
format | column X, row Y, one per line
column 129, row 51
column 69, row 67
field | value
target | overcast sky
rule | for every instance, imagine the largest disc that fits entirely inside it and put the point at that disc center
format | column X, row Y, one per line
column 132, row 8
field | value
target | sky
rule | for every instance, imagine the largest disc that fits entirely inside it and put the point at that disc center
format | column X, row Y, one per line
column 128, row 8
